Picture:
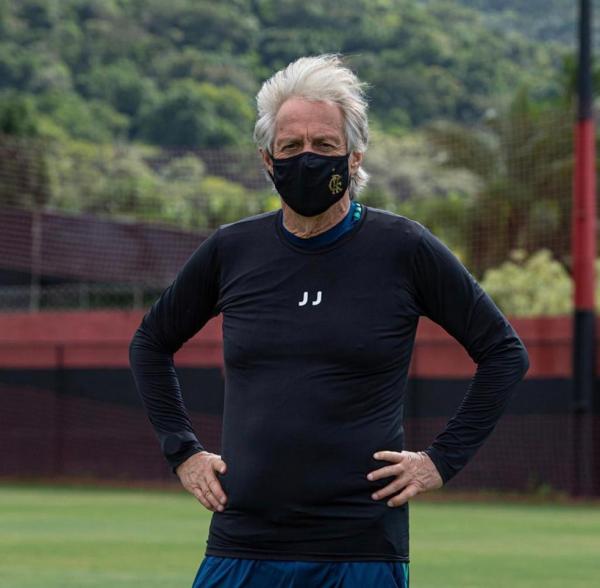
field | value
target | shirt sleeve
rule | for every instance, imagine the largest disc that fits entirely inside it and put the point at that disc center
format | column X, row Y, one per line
column 180, row 312
column 451, row 297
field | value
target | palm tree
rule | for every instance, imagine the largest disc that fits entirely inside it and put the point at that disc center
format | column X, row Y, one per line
column 523, row 159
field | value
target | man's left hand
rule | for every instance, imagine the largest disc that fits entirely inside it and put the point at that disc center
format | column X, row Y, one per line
column 413, row 473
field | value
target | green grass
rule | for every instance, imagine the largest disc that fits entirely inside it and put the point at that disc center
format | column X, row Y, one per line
column 59, row 537
column 505, row 545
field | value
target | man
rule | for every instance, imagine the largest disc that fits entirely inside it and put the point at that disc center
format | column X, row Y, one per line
column 320, row 304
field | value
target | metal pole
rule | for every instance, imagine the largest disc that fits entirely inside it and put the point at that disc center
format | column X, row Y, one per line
column 60, row 406
column 35, row 284
column 584, row 255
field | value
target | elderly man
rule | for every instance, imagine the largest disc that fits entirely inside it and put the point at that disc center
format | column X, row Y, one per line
column 320, row 304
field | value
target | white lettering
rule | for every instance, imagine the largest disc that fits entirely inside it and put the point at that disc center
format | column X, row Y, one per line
column 304, row 300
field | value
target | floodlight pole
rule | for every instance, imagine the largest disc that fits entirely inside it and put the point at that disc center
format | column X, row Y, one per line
column 584, row 254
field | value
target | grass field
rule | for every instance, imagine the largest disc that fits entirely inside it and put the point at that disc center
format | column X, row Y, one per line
column 59, row 537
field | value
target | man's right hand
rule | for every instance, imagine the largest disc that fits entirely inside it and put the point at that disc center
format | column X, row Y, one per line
column 198, row 475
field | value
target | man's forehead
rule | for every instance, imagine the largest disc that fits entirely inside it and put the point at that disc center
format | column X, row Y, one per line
column 296, row 115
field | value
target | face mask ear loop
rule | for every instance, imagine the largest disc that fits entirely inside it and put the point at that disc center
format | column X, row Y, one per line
column 350, row 178
column 272, row 163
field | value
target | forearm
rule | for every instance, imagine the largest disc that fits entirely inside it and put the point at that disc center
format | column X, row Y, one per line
column 158, row 386
column 489, row 393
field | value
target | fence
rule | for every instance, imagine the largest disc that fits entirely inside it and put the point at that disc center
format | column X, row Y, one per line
column 81, row 295
column 485, row 190
column 92, row 227
column 70, row 408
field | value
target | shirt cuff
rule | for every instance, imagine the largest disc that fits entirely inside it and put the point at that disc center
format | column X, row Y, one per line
column 445, row 471
column 177, row 447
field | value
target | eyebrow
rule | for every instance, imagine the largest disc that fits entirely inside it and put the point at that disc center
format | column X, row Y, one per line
column 288, row 138
column 297, row 138
column 330, row 138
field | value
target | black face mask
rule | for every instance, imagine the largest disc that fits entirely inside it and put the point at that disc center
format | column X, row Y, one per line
column 310, row 183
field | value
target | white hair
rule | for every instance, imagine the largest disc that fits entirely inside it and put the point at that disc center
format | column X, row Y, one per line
column 323, row 77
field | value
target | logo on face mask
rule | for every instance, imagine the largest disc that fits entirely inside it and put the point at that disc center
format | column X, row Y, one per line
column 336, row 184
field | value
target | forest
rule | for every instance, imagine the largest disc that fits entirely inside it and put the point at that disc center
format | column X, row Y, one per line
column 550, row 21
column 144, row 109
column 185, row 72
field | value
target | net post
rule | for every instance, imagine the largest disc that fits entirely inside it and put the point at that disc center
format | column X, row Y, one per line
column 584, row 254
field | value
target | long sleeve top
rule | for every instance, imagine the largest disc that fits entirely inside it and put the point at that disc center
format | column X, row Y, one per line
column 317, row 344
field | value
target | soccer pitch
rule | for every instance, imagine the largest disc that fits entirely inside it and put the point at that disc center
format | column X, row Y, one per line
column 60, row 537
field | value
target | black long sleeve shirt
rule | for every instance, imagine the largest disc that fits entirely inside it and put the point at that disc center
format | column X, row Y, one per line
column 317, row 345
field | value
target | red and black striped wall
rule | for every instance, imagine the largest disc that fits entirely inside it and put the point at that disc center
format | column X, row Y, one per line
column 70, row 407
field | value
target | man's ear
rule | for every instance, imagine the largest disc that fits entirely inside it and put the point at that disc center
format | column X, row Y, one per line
column 267, row 161
column 356, row 158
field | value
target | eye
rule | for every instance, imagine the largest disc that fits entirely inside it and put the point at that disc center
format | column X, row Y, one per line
column 289, row 147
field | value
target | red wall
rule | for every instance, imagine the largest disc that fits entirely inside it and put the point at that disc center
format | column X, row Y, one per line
column 101, row 339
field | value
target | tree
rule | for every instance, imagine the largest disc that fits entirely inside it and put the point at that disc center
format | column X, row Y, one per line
column 522, row 157
column 105, row 180
column 121, row 85
column 18, row 115
column 423, row 60
column 195, row 114
column 91, row 120
column 23, row 163
column 537, row 285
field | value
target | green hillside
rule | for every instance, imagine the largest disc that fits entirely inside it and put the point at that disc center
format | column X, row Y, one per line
column 185, row 72
column 547, row 20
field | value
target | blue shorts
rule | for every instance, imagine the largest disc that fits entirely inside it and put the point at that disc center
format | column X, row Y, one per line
column 228, row 572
